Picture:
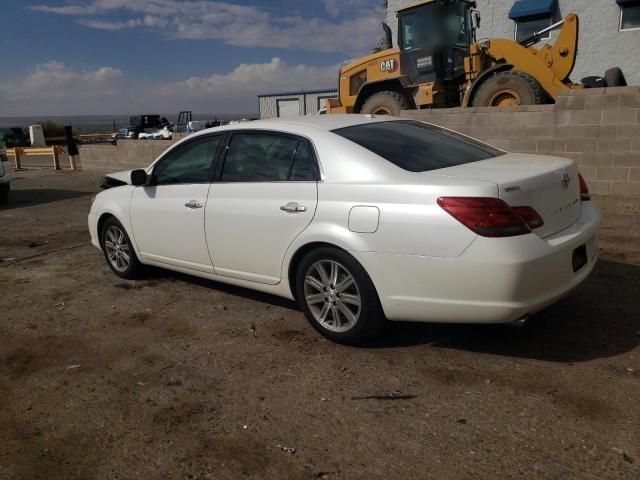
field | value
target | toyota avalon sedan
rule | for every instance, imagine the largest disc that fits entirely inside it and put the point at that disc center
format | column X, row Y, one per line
column 361, row 219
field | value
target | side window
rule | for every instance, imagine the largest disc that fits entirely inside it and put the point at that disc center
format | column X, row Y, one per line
column 191, row 163
column 629, row 16
column 259, row 157
column 526, row 27
column 303, row 164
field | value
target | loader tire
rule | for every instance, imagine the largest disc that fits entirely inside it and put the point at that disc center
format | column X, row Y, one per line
column 615, row 78
column 593, row 82
column 385, row 103
column 509, row 89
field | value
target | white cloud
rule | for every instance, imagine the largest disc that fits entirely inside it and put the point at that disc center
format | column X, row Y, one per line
column 107, row 25
column 236, row 91
column 234, row 24
column 56, row 89
column 245, row 78
column 53, row 87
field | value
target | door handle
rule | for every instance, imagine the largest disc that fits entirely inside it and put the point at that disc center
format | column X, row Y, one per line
column 293, row 207
column 193, row 204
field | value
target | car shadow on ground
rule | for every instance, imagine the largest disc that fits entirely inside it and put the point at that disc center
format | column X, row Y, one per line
column 38, row 196
column 599, row 319
column 154, row 273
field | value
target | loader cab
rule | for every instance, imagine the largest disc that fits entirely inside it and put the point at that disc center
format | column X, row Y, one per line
column 434, row 39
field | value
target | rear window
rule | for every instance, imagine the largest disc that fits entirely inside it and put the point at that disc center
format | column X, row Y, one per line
column 416, row 146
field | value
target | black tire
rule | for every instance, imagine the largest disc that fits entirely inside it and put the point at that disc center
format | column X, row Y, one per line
column 369, row 318
column 385, row 103
column 134, row 268
column 615, row 78
column 594, row 82
column 4, row 194
column 510, row 88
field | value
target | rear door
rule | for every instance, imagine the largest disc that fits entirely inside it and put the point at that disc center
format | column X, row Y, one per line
column 167, row 217
column 265, row 196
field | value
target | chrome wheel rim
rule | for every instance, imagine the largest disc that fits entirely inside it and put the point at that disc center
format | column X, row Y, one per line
column 332, row 295
column 117, row 248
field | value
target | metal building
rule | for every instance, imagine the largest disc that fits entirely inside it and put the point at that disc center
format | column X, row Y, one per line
column 288, row 104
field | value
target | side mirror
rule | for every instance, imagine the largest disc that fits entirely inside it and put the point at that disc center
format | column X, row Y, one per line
column 139, row 177
column 475, row 18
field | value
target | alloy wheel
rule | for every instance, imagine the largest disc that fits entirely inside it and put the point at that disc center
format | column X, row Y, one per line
column 332, row 295
column 117, row 248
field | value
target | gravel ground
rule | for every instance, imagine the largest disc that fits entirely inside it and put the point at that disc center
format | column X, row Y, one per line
column 178, row 378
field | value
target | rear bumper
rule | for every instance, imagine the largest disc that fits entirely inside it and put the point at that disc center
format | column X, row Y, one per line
column 496, row 280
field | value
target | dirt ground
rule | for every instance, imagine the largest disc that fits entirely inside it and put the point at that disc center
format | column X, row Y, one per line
column 173, row 377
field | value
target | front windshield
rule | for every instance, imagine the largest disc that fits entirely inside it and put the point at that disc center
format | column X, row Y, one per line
column 434, row 25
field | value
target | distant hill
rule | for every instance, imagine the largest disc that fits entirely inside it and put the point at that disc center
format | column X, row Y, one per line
column 100, row 123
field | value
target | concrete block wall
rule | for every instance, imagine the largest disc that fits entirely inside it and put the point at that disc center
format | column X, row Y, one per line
column 598, row 128
column 126, row 155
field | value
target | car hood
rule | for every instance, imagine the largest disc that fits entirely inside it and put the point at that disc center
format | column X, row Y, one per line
column 116, row 179
column 123, row 176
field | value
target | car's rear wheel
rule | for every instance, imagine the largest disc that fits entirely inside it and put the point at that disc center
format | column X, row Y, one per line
column 338, row 297
column 119, row 251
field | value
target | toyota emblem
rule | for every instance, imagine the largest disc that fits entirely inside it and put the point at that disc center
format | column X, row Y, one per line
column 565, row 180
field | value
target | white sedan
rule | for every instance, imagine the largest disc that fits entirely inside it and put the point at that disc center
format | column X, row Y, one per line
column 361, row 219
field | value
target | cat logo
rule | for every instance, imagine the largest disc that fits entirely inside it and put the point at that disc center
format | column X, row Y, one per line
column 388, row 65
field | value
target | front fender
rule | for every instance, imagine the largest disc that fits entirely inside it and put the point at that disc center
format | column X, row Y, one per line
column 114, row 202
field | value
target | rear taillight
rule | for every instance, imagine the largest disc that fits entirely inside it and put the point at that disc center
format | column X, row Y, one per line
column 486, row 216
column 585, row 196
column 530, row 216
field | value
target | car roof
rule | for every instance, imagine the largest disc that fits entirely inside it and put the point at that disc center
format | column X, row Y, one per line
column 322, row 122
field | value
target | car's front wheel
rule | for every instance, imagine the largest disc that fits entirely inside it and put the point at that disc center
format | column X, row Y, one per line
column 338, row 297
column 118, row 250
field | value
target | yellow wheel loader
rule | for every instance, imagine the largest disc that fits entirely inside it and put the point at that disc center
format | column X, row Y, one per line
column 439, row 63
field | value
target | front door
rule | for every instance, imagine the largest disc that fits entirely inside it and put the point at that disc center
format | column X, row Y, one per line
column 167, row 216
column 266, row 195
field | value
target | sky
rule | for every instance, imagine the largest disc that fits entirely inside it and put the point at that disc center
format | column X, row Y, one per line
column 77, row 57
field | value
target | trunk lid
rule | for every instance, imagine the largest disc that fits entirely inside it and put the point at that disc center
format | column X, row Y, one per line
column 548, row 184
